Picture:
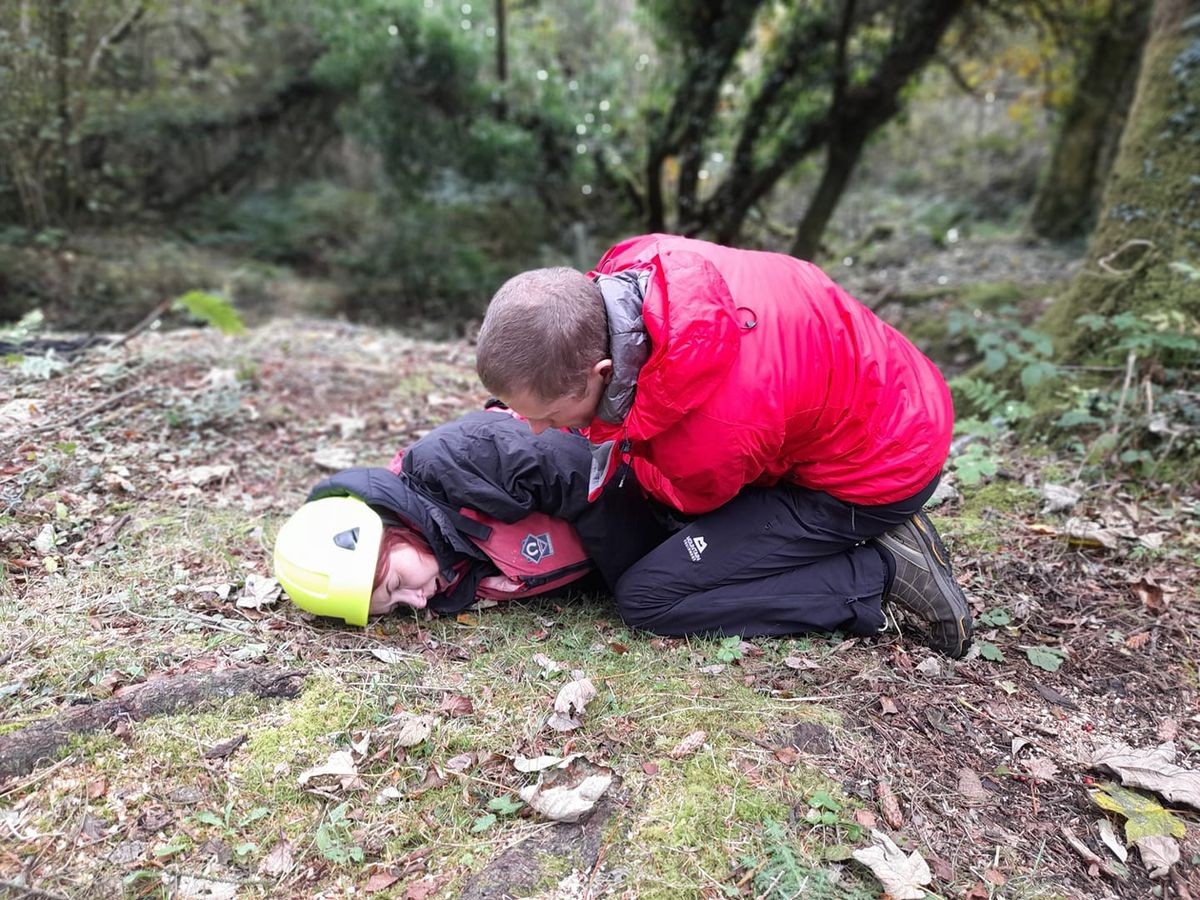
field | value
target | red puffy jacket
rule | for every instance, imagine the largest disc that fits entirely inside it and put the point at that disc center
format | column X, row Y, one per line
column 761, row 368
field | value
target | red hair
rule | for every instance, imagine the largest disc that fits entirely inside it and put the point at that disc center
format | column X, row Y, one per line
column 392, row 536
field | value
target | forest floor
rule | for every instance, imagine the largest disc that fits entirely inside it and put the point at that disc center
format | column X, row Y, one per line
column 142, row 486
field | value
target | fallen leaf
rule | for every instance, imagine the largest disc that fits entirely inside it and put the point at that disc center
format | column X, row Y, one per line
column 279, row 861
column 259, row 591
column 1088, row 534
column 1040, row 768
column 865, row 818
column 689, row 745
column 1151, row 595
column 888, row 706
column 1058, row 498
column 971, row 788
column 1159, row 852
column 1154, row 770
column 538, row 763
column 460, row 763
column 546, row 663
column 1168, row 729
column 567, row 794
column 97, row 788
column 900, row 875
column 425, row 888
column 456, row 706
column 380, row 881
column 1111, row 841
column 198, row 887
column 931, row 666
column 994, row 876
column 411, row 729
column 220, row 751
column 389, row 655
column 203, row 475
column 1144, row 816
column 572, row 699
column 787, row 755
column 340, row 765
column 800, row 662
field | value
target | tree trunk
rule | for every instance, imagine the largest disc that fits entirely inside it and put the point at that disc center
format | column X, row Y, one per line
column 60, row 29
column 842, row 156
column 502, row 57
column 1145, row 250
column 1065, row 204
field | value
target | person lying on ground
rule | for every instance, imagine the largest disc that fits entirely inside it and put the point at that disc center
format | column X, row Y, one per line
column 746, row 388
column 480, row 508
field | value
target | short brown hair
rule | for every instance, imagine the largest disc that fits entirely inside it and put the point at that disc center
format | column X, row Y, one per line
column 543, row 332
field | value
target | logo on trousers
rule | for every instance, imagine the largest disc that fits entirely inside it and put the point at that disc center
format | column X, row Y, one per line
column 695, row 547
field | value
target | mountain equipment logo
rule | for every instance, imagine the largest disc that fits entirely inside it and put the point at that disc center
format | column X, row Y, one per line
column 537, row 547
column 695, row 546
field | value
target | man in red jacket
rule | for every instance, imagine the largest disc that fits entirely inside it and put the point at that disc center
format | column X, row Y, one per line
column 798, row 434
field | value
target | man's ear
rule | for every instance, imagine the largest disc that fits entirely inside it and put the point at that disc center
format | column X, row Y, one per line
column 604, row 369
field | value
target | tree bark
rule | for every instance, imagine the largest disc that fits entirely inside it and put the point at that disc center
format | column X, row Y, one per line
column 60, row 30
column 21, row 751
column 1067, row 197
column 842, row 155
column 1145, row 249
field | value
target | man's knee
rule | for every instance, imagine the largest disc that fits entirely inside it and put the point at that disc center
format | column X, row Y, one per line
column 637, row 600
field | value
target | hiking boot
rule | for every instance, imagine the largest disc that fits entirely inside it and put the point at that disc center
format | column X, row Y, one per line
column 924, row 584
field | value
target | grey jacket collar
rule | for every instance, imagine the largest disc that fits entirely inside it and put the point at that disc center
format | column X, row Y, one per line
column 629, row 345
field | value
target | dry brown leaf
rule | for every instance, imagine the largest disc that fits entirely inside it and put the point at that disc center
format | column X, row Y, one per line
column 279, row 861
column 889, row 806
column 425, row 888
column 1151, row 595
column 1040, row 769
column 568, row 793
column 689, row 745
column 340, row 765
column 380, row 881
column 411, row 730
column 888, row 706
column 572, row 699
column 456, row 706
column 1154, row 770
column 971, row 789
column 1159, row 852
column 901, row 875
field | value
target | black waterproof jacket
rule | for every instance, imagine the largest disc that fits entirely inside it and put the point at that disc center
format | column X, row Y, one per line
column 492, row 463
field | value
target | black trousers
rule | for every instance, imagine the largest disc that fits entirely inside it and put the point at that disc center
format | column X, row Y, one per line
column 772, row 561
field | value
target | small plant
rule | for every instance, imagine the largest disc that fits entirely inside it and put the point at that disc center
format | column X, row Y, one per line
column 499, row 806
column 729, row 649
column 334, row 839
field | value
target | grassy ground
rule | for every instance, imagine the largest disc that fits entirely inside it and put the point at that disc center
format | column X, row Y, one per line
column 142, row 486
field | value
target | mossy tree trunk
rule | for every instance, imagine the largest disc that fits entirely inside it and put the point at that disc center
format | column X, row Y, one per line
column 1069, row 193
column 1144, row 254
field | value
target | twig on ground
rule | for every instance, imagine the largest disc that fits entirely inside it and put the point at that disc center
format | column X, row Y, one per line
column 21, row 890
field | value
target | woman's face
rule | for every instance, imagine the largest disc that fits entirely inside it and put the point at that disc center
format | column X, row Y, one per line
column 410, row 578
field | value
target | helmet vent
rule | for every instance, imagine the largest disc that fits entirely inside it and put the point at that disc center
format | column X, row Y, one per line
column 347, row 540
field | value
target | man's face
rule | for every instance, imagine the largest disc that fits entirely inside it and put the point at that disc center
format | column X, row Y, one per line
column 567, row 411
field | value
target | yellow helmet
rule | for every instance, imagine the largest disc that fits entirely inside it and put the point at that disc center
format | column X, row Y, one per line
column 326, row 554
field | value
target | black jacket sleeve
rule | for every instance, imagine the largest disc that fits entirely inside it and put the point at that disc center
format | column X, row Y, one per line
column 493, row 463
